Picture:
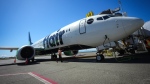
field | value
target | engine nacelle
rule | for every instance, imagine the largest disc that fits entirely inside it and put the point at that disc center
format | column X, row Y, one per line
column 24, row 52
column 71, row 52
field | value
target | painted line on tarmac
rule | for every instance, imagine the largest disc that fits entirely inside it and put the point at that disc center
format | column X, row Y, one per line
column 42, row 78
column 13, row 74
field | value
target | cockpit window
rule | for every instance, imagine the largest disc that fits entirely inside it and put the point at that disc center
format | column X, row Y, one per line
column 111, row 16
column 105, row 17
column 99, row 18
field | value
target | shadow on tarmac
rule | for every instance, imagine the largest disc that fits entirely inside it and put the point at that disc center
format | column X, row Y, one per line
column 140, row 58
column 8, row 64
column 20, row 64
column 23, row 63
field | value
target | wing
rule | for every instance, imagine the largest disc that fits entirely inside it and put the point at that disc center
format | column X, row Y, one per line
column 9, row 48
column 38, row 51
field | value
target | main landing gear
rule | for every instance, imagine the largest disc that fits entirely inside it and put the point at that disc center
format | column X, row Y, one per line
column 53, row 56
column 99, row 57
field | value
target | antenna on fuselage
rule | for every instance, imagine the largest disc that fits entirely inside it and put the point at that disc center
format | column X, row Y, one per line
column 120, row 5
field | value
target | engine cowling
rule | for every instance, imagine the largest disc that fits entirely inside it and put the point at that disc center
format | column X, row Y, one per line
column 71, row 52
column 25, row 52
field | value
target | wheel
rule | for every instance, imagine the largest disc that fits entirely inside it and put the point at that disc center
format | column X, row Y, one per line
column 99, row 58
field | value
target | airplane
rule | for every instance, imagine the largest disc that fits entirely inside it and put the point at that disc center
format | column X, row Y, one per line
column 144, row 33
column 85, row 33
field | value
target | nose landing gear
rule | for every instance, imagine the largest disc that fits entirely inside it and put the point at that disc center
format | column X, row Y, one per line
column 99, row 57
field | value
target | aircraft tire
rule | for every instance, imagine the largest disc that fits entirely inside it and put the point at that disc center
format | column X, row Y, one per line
column 99, row 58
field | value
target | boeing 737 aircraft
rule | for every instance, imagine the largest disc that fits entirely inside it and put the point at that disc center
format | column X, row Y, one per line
column 86, row 33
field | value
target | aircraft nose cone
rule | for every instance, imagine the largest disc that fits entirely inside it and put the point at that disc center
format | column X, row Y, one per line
column 133, row 24
column 139, row 22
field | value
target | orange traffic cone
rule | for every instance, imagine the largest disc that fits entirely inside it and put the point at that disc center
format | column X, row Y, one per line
column 15, row 60
column 26, row 61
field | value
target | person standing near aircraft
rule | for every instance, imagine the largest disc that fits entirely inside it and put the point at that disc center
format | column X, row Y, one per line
column 60, row 54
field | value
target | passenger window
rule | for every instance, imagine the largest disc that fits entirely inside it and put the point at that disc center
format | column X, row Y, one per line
column 90, row 21
column 105, row 17
column 99, row 18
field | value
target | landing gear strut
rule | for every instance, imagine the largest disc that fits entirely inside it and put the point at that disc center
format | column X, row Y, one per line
column 53, row 56
column 99, row 57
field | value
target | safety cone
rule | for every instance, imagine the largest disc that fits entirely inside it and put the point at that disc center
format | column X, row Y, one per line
column 15, row 60
column 26, row 61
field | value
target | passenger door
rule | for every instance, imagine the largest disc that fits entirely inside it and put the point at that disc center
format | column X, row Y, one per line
column 82, row 27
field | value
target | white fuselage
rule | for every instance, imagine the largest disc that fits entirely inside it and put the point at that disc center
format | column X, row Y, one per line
column 91, row 32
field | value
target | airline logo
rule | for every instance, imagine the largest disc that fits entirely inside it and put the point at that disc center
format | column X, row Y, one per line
column 53, row 40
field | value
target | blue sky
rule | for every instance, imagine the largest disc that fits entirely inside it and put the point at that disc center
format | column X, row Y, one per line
column 42, row 17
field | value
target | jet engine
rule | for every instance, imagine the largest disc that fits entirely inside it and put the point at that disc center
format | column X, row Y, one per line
column 71, row 52
column 25, row 52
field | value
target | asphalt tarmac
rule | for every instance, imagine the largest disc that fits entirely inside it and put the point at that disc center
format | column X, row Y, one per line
column 82, row 69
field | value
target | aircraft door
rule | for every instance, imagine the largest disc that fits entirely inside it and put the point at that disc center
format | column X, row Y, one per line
column 82, row 27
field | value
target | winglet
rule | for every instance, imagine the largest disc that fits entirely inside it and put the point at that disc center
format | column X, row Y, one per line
column 30, row 42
